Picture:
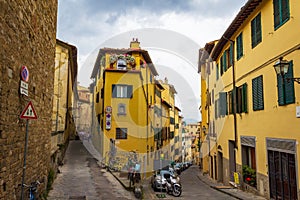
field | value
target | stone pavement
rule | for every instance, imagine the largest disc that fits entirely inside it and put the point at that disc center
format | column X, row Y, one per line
column 82, row 178
column 234, row 192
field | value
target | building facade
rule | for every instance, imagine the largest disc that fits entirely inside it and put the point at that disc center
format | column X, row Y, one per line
column 131, row 115
column 64, row 100
column 28, row 38
column 251, row 111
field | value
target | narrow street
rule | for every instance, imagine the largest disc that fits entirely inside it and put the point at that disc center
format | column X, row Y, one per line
column 81, row 178
column 192, row 188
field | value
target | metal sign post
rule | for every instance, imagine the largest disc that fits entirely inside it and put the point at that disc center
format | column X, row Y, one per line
column 28, row 113
column 24, row 164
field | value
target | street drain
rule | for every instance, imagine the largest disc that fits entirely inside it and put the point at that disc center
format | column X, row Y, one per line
column 77, row 198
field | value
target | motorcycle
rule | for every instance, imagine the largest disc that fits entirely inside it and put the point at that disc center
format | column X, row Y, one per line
column 173, row 187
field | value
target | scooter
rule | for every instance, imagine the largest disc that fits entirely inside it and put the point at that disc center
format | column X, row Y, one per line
column 172, row 187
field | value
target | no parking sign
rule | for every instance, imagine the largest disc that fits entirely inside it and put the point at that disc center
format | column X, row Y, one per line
column 24, row 73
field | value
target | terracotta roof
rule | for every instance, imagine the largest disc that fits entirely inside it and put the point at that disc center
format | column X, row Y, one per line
column 204, row 53
column 244, row 13
column 105, row 50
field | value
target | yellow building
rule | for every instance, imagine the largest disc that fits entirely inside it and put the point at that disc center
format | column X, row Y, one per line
column 123, row 101
column 64, row 99
column 252, row 113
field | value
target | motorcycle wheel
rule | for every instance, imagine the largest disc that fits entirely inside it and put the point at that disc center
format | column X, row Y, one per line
column 177, row 191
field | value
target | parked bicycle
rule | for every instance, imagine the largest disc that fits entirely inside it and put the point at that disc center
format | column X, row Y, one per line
column 32, row 190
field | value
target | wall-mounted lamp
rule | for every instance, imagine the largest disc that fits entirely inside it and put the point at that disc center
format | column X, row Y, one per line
column 281, row 68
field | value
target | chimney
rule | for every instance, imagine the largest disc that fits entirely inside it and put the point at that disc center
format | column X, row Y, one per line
column 135, row 44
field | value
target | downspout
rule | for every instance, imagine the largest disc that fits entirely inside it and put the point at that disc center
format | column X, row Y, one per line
column 234, row 96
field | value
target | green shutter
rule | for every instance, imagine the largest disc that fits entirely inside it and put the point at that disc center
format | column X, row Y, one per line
column 223, row 103
column 217, row 72
column 244, row 98
column 231, row 55
column 289, row 86
column 257, row 93
column 285, row 10
column 224, row 62
column 254, row 94
column 258, row 28
column 253, row 33
column 280, row 90
column 276, row 13
column 260, row 92
column 239, row 46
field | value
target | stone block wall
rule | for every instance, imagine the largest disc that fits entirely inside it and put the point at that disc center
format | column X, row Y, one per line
column 27, row 37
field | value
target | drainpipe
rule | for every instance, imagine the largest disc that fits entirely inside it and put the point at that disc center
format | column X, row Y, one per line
column 234, row 95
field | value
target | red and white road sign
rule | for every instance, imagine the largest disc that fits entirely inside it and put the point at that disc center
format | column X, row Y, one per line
column 29, row 112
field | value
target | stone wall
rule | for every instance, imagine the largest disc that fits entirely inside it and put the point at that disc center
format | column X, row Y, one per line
column 27, row 37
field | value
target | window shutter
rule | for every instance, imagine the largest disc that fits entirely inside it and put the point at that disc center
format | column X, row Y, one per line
column 289, row 86
column 216, row 109
column 244, row 98
column 129, row 91
column 225, row 61
column 260, row 93
column 254, row 94
column 280, row 90
column 285, row 10
column 258, row 28
column 276, row 13
column 217, row 72
column 114, row 91
column 231, row 55
column 223, row 103
column 253, row 33
column 257, row 93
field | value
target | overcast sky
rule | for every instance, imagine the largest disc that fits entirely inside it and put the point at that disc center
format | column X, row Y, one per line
column 171, row 30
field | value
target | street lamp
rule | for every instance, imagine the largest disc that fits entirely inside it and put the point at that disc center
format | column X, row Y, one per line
column 281, row 68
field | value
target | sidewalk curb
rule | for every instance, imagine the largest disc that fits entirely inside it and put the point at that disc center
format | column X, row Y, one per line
column 214, row 187
column 127, row 188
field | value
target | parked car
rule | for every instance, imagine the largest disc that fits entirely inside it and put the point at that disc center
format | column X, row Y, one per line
column 160, row 177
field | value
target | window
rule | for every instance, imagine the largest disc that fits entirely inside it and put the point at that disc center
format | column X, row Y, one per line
column 249, row 165
column 241, row 99
column 121, row 133
column 121, row 64
column 121, row 109
column 97, row 97
column 258, row 93
column 256, row 30
column 172, row 121
column 217, row 71
column 239, row 46
column 285, row 87
column 122, row 91
column 281, row 12
column 223, row 103
column 230, row 102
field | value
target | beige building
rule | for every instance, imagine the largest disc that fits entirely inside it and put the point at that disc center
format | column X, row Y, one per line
column 65, row 100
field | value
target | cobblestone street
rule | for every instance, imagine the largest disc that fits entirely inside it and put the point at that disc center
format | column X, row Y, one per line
column 82, row 178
